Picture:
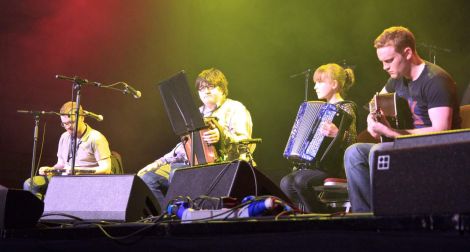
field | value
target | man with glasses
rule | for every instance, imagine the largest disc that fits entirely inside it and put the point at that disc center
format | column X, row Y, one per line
column 92, row 155
column 235, row 125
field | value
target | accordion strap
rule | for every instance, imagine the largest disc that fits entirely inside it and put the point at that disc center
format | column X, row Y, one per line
column 344, row 124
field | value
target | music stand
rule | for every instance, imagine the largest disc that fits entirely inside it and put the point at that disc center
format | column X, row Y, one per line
column 184, row 116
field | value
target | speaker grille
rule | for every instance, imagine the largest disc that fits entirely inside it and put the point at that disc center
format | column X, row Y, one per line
column 19, row 208
column 236, row 179
column 110, row 197
column 425, row 180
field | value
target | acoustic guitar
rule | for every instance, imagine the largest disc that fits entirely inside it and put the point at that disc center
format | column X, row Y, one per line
column 390, row 109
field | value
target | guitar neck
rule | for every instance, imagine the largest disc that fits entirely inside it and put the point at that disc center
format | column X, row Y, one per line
column 63, row 171
column 383, row 107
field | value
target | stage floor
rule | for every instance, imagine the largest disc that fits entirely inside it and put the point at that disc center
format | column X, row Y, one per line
column 350, row 232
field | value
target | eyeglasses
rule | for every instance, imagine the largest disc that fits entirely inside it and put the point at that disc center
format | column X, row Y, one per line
column 208, row 86
column 64, row 124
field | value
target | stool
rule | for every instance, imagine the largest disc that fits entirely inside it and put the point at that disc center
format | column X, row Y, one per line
column 334, row 193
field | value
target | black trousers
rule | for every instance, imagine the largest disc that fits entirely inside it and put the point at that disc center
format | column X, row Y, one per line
column 299, row 187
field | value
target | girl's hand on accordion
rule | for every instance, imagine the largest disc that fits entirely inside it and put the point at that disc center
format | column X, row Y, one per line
column 329, row 129
column 211, row 136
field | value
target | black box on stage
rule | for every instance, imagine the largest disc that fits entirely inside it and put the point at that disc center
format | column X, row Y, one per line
column 235, row 179
column 423, row 179
column 19, row 208
column 99, row 197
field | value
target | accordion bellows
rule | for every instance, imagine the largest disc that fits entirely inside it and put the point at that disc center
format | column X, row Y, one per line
column 306, row 143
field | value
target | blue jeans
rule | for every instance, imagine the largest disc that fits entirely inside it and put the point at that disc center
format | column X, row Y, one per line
column 159, row 184
column 40, row 184
column 358, row 158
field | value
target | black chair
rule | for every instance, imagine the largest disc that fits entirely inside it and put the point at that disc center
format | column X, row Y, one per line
column 116, row 163
column 465, row 116
column 466, row 96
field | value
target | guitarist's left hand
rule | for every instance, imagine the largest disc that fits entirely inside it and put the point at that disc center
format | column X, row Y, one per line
column 378, row 128
column 372, row 126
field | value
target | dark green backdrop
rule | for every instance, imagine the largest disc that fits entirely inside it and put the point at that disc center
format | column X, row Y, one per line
column 258, row 44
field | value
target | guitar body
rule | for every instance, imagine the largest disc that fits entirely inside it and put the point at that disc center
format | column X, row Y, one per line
column 392, row 110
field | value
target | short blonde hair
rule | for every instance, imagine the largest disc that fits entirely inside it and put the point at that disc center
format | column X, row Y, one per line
column 397, row 36
column 69, row 109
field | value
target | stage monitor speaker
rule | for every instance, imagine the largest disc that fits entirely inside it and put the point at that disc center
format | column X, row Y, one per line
column 422, row 180
column 19, row 208
column 436, row 138
column 235, row 179
column 119, row 198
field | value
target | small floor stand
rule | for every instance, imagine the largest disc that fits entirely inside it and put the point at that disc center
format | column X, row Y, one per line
column 244, row 150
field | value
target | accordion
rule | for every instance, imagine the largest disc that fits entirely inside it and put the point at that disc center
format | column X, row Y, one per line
column 306, row 143
column 203, row 152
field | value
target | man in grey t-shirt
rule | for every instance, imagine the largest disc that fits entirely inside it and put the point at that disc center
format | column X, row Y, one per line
column 92, row 155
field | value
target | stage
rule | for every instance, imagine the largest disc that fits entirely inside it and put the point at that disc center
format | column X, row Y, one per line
column 350, row 232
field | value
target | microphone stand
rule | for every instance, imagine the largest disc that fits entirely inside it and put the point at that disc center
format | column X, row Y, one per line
column 305, row 73
column 307, row 77
column 432, row 51
column 76, row 88
column 36, row 115
column 35, row 143
column 77, row 84
column 126, row 88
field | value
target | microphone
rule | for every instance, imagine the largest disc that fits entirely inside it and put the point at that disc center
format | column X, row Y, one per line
column 130, row 90
column 35, row 112
column 306, row 72
column 99, row 118
column 248, row 141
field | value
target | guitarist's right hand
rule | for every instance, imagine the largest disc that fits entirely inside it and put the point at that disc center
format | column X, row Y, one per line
column 46, row 170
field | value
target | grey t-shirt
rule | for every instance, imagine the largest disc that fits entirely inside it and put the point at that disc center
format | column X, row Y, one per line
column 92, row 147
